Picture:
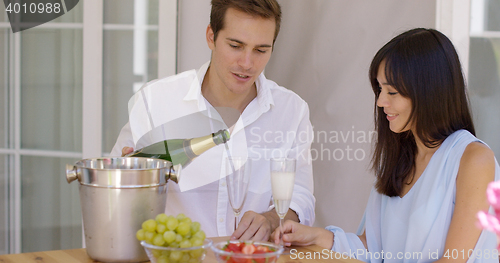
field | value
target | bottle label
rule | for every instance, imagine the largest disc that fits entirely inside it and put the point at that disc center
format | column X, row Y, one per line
column 188, row 150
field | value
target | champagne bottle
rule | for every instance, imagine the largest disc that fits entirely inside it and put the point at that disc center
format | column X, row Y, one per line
column 182, row 151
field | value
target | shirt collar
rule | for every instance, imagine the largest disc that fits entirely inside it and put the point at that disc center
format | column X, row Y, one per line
column 264, row 95
column 194, row 92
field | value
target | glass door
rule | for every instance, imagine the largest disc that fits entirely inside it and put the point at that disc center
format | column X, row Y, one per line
column 42, row 121
column 40, row 132
column 130, row 59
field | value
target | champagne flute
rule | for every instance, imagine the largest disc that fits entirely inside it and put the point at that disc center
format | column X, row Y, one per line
column 282, row 181
column 238, row 175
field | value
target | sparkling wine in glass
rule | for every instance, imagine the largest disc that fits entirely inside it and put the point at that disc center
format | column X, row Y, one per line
column 238, row 176
column 282, row 181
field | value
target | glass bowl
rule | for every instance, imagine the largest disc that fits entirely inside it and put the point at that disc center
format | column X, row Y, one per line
column 258, row 256
column 158, row 254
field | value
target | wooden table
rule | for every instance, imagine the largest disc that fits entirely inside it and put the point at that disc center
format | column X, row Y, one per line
column 80, row 256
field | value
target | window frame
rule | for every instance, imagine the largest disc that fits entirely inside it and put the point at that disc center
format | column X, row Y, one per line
column 92, row 98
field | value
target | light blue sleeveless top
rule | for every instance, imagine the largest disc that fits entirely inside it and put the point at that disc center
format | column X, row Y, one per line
column 414, row 228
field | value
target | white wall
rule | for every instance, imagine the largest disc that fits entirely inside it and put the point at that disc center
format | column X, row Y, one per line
column 323, row 54
column 192, row 49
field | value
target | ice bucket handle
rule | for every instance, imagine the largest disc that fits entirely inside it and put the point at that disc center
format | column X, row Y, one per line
column 71, row 173
column 174, row 173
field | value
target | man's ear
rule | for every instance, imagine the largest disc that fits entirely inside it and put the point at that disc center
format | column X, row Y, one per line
column 210, row 37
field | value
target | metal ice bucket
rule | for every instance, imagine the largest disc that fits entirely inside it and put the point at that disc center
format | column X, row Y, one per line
column 116, row 196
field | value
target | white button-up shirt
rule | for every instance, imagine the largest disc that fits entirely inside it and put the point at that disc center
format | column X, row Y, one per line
column 275, row 124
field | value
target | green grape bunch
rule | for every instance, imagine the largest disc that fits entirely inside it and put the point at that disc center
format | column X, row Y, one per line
column 173, row 232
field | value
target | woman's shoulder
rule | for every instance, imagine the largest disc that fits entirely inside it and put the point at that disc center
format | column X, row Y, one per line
column 477, row 165
column 474, row 157
column 478, row 154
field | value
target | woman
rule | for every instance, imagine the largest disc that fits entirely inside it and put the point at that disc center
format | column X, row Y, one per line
column 431, row 171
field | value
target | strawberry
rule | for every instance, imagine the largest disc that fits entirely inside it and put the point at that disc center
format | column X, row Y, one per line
column 262, row 249
column 248, row 249
column 233, row 247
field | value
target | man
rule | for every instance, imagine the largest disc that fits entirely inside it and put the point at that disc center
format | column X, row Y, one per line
column 274, row 122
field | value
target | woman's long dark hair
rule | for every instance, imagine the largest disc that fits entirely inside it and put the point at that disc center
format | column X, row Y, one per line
column 422, row 65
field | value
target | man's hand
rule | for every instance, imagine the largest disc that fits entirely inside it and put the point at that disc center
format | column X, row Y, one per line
column 126, row 150
column 258, row 227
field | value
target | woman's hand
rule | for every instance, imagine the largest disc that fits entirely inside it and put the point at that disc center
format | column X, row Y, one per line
column 297, row 234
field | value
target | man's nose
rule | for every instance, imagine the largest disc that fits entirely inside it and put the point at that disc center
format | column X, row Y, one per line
column 246, row 60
